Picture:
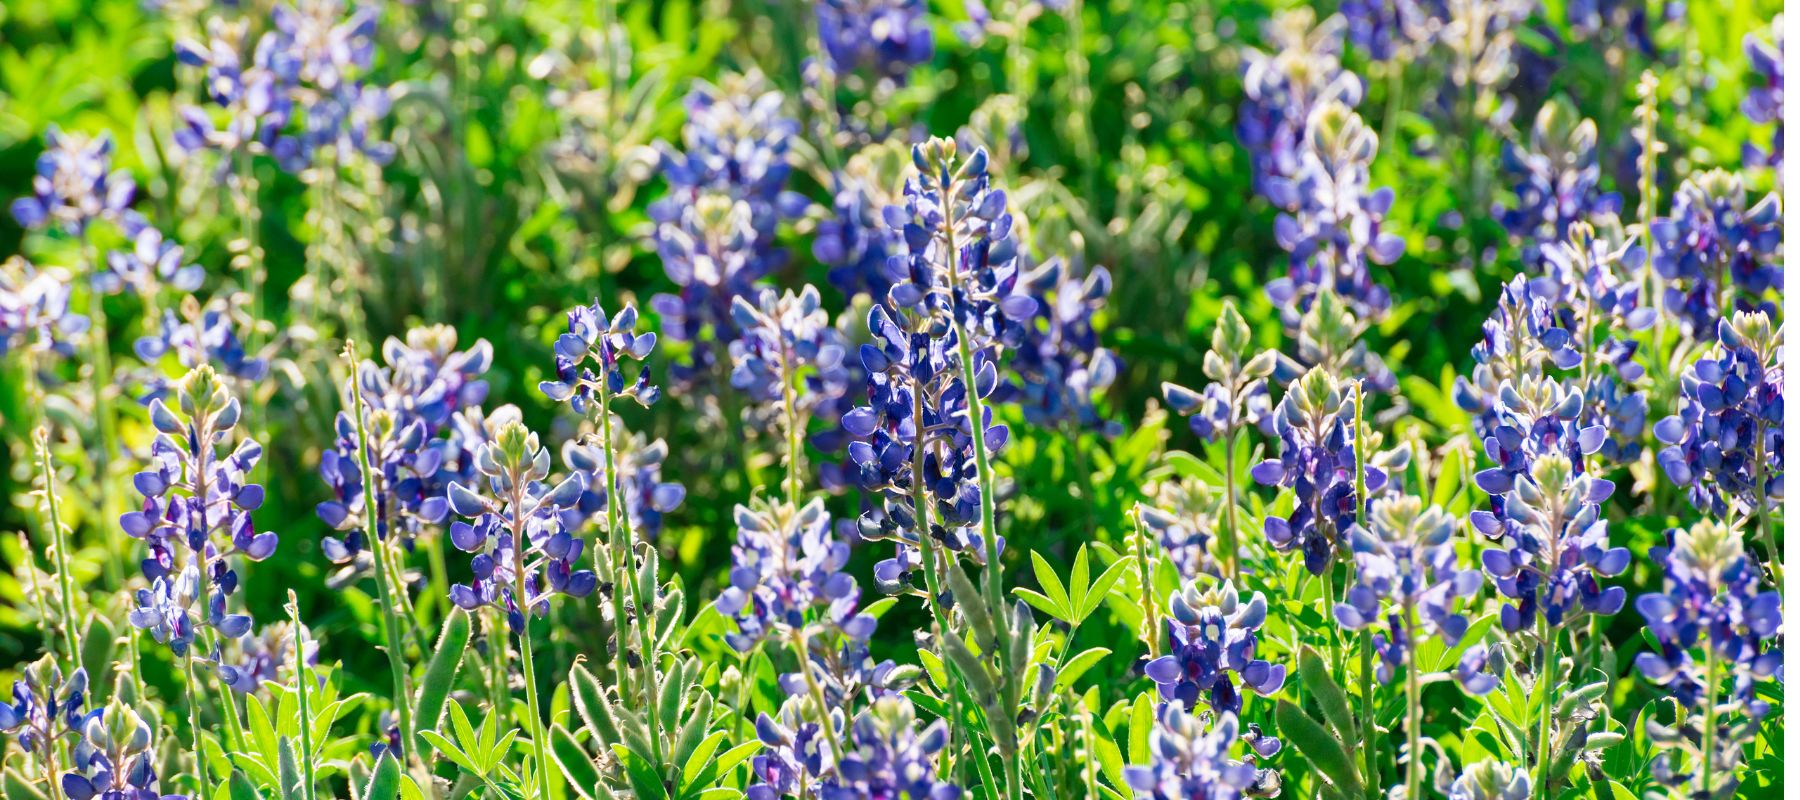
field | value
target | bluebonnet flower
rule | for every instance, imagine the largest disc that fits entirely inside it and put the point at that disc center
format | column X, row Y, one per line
column 115, row 759
column 1487, row 780
column 1553, row 545
column 715, row 230
column 256, row 106
column 1060, row 365
column 416, row 452
column 597, row 342
column 1477, row 670
column 1330, row 335
column 1713, row 602
column 34, row 310
column 319, row 52
column 265, row 656
column 45, row 707
column 1725, row 445
column 1239, row 393
column 787, row 565
column 1621, row 18
column 74, row 185
column 150, row 261
column 1716, row 253
column 1190, row 760
column 647, row 496
column 1318, row 461
column 1282, row 87
column 793, row 754
column 853, row 240
column 1181, row 517
column 1406, row 576
column 888, row 756
column 1212, row 649
column 1332, row 226
column 197, row 504
column 1530, row 332
column 1713, row 605
column 1555, row 182
column 1763, row 103
column 1386, row 30
column 786, row 343
column 523, row 552
column 886, row 37
column 198, row 336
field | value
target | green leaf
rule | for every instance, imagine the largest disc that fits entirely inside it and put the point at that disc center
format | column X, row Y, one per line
column 1330, row 696
column 1041, row 603
column 239, row 787
column 574, row 761
column 450, row 751
column 700, row 759
column 440, row 672
column 385, row 783
column 593, row 707
column 1078, row 665
column 290, row 772
column 18, row 788
column 1318, row 747
column 465, row 733
column 1143, row 720
column 1101, row 588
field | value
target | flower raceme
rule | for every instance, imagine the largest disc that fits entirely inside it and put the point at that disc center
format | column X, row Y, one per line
column 1191, row 760
column 1408, row 577
column 1553, row 545
column 787, row 567
column 590, row 358
column 522, row 551
column 1212, row 637
column 196, row 514
column 1725, row 445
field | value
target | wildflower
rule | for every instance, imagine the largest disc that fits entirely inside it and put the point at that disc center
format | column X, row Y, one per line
column 887, row 37
column 1555, row 182
column 523, row 553
column 319, row 53
column 34, row 310
column 1182, row 516
column 196, row 513
column 1725, row 445
column 1212, row 649
column 1407, row 576
column 255, row 104
column 45, row 706
column 115, row 759
column 198, row 335
column 1716, row 252
column 74, row 185
column 597, row 342
column 793, row 754
column 887, row 756
column 787, row 339
column 1239, row 393
column 785, row 566
column 1190, row 760
column 1553, row 545
column 1282, row 88
column 1762, row 104
column 647, row 497
column 1060, row 365
column 149, row 260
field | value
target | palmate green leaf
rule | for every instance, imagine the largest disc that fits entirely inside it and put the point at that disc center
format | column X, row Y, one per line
column 1318, row 747
column 450, row 751
column 1077, row 666
column 1101, row 588
column 699, row 768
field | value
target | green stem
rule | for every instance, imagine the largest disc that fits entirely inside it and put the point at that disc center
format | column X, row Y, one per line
column 615, row 544
column 539, row 742
column 817, row 693
column 1709, row 730
column 1545, row 680
column 306, row 743
column 1365, row 642
column 200, row 772
column 390, row 624
column 1415, row 714
column 59, row 541
column 792, row 419
column 1231, row 540
column 1152, row 620
column 1762, row 502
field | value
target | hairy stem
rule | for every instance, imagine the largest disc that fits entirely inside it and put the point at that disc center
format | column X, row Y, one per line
column 59, row 541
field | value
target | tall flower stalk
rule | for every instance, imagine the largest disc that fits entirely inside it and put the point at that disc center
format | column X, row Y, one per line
column 59, row 541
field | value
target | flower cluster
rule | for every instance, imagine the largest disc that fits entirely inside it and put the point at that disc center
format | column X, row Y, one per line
column 150, row 261
column 115, row 759
column 1190, row 760
column 74, row 185
column 647, row 496
column 1714, row 602
column 1060, row 366
column 1553, row 545
column 715, row 230
column 1282, row 88
column 1181, row 518
column 596, row 341
column 1392, row 29
column 793, row 753
column 1212, row 649
column 787, row 563
column 1406, row 576
column 412, row 403
column 1725, row 445
column 1331, row 227
column 1555, row 182
column 197, row 504
column 888, row 756
column 266, row 655
column 1318, row 461
column 198, row 335
column 310, row 66
column 523, row 552
column 1239, row 393
column 786, row 343
column 34, row 310
column 887, row 37
column 1713, row 247
column 45, row 706
column 1488, row 780
column 1763, row 103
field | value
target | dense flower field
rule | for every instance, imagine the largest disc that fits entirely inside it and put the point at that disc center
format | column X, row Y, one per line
column 891, row 399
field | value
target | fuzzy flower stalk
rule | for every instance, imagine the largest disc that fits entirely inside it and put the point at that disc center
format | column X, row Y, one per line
column 788, row 355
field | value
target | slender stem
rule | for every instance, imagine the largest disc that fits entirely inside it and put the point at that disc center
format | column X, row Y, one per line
column 827, row 732
column 1365, row 643
column 59, row 541
column 310, row 789
column 1709, row 730
column 615, row 545
column 193, row 687
column 1548, row 636
column 1152, row 619
column 1231, row 540
column 539, row 742
column 792, row 420
column 1415, row 711
column 1762, row 502
column 390, row 623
